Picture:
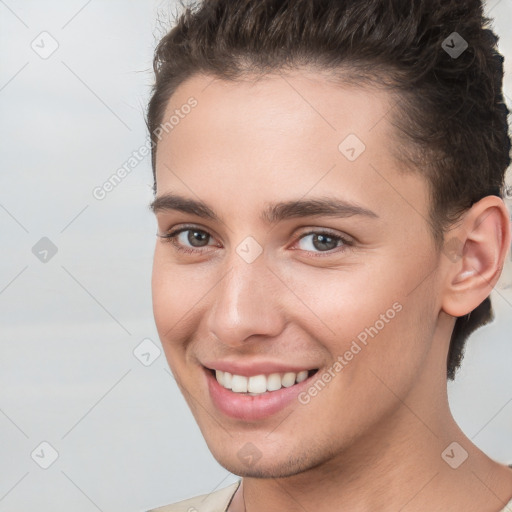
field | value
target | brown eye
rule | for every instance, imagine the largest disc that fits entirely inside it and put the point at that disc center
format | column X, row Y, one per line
column 321, row 242
column 187, row 239
column 197, row 238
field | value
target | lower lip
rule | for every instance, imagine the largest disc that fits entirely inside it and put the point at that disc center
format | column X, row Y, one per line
column 252, row 408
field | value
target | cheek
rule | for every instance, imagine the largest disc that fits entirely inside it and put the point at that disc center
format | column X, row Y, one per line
column 395, row 336
column 169, row 294
column 343, row 301
column 179, row 295
column 366, row 315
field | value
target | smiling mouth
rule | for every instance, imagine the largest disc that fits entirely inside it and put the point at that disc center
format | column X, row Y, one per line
column 260, row 384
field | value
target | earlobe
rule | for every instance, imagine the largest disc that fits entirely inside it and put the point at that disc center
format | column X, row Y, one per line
column 483, row 239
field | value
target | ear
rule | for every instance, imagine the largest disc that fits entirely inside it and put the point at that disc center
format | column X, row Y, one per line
column 475, row 252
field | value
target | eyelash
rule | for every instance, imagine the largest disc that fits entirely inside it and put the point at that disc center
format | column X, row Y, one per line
column 171, row 238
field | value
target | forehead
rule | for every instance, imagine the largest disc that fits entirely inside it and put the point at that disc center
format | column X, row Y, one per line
column 283, row 135
column 284, row 108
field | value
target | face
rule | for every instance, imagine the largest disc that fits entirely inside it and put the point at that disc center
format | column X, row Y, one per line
column 291, row 248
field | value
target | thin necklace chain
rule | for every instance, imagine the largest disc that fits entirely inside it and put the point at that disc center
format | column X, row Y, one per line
column 243, row 499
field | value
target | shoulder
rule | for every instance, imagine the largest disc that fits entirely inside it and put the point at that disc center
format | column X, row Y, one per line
column 216, row 501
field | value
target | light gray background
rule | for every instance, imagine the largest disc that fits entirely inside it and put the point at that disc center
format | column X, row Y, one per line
column 125, row 438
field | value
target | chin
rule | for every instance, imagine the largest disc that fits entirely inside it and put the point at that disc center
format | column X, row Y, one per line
column 260, row 465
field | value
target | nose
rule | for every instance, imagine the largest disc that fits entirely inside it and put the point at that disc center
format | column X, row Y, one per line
column 246, row 303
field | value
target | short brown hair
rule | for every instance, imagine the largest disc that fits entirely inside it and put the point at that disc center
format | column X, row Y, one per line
column 450, row 111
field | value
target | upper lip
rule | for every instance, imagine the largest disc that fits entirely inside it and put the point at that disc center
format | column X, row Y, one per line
column 251, row 368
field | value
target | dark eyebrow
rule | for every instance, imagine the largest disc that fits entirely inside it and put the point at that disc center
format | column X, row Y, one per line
column 326, row 206
column 273, row 212
column 168, row 201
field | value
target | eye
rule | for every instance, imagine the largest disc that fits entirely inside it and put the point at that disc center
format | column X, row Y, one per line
column 187, row 239
column 192, row 240
column 322, row 241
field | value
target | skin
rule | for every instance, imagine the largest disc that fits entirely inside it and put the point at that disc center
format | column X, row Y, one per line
column 373, row 438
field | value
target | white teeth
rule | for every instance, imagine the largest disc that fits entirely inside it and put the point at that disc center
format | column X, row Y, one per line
column 274, row 382
column 258, row 384
column 228, row 379
column 288, row 379
column 303, row 375
column 239, row 384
